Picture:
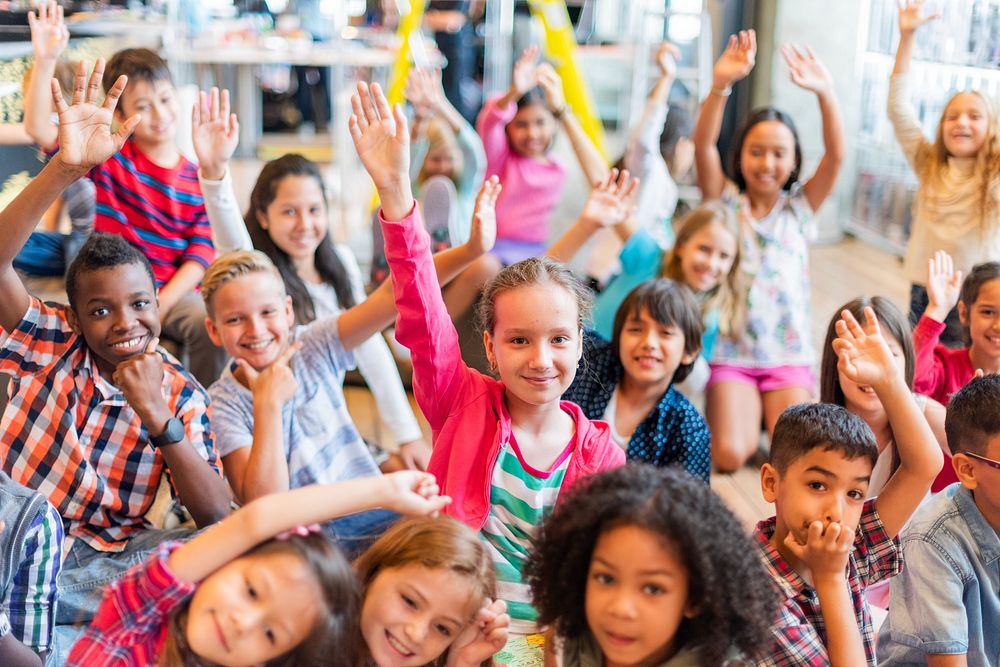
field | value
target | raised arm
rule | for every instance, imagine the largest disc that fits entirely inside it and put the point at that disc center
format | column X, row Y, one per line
column 591, row 162
column 910, row 21
column 808, row 73
column 902, row 114
column 734, row 64
column 865, row 358
column 49, row 37
column 644, row 138
column 85, row 140
column 609, row 204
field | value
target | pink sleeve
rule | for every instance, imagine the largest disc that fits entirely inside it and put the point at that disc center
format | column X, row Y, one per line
column 423, row 325
column 929, row 370
column 491, row 125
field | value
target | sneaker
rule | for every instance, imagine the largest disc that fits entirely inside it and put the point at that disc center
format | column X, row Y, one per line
column 438, row 202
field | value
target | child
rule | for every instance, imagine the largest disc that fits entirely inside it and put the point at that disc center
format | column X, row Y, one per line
column 97, row 413
column 645, row 566
column 941, row 371
column 764, row 367
column 836, row 388
column 504, row 448
column 945, row 606
column 629, row 382
column 247, row 593
column 428, row 586
column 31, row 534
column 956, row 204
column 826, row 544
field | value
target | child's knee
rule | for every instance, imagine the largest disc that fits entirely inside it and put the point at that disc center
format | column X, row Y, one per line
column 729, row 454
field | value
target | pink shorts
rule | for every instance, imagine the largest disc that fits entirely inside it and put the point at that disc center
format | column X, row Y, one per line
column 765, row 379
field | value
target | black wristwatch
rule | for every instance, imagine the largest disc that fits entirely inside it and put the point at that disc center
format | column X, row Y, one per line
column 172, row 433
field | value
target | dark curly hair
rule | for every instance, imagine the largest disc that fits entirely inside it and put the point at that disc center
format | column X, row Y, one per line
column 726, row 581
column 103, row 251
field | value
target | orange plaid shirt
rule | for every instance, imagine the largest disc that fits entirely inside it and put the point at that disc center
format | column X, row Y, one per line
column 69, row 433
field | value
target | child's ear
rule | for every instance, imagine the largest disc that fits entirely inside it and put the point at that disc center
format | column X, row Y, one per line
column 73, row 320
column 963, row 314
column 490, row 354
column 289, row 311
column 690, row 357
column 213, row 332
column 579, row 347
column 769, row 480
column 965, row 471
column 262, row 220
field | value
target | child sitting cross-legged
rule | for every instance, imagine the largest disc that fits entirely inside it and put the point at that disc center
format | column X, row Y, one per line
column 826, row 543
column 944, row 610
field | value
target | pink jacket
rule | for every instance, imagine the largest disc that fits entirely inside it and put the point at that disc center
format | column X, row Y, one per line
column 466, row 409
column 939, row 371
column 531, row 188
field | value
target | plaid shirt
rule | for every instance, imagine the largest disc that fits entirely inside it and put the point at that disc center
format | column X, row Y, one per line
column 131, row 624
column 31, row 601
column 800, row 634
column 69, row 434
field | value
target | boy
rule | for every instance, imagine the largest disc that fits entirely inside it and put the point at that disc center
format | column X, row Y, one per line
column 31, row 536
column 945, row 607
column 150, row 193
column 97, row 413
column 826, row 543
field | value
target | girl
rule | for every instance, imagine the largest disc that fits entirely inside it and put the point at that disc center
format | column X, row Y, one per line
column 629, row 382
column 428, row 587
column 504, row 448
column 764, row 367
column 241, row 593
column 956, row 204
column 645, row 566
column 835, row 387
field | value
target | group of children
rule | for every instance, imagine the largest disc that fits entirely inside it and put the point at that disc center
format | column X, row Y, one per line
column 528, row 519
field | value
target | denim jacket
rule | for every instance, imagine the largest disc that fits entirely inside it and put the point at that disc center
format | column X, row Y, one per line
column 946, row 599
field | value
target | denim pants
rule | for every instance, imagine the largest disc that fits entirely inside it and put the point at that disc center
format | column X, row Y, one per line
column 355, row 533
column 49, row 254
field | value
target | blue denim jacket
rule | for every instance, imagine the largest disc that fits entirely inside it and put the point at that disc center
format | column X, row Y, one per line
column 946, row 599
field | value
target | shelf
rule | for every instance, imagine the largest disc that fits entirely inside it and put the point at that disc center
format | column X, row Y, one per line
column 870, row 236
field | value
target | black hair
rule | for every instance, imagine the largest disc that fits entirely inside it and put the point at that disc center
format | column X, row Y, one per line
column 328, row 263
column 727, row 585
column 676, row 126
column 978, row 276
column 137, row 65
column 103, row 251
column 670, row 304
column 973, row 416
column 760, row 116
column 804, row 427
column 534, row 97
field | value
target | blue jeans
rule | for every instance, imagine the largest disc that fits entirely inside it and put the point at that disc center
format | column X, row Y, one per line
column 49, row 253
column 953, row 334
column 355, row 533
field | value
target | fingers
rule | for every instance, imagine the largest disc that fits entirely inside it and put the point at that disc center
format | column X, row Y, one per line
column 289, row 352
column 79, row 83
column 115, row 92
column 851, row 324
column 365, row 108
column 402, row 132
column 249, row 372
column 94, row 85
column 488, row 192
column 57, row 97
column 152, row 345
column 529, row 54
column 381, row 103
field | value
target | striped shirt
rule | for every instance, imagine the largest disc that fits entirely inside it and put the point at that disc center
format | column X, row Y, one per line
column 520, row 498
column 69, row 434
column 130, row 626
column 158, row 209
column 31, row 601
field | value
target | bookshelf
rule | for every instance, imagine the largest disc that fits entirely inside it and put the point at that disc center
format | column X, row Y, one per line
column 958, row 51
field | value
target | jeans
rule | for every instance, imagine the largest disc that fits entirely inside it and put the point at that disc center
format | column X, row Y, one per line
column 49, row 253
column 953, row 334
column 355, row 533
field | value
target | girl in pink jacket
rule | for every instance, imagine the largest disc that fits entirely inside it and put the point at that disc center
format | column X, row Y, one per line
column 503, row 449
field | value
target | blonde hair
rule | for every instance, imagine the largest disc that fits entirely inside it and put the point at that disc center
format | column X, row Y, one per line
column 231, row 266
column 440, row 136
column 729, row 295
column 931, row 159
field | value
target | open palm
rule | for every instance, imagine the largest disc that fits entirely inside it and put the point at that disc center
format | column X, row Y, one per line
column 609, row 202
column 380, row 135
column 864, row 355
column 738, row 58
column 807, row 71
column 525, row 75
column 49, row 35
column 215, row 132
column 85, row 137
column 910, row 19
column 483, row 234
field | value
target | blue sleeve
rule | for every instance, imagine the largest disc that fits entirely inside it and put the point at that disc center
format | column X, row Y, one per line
column 711, row 322
column 640, row 253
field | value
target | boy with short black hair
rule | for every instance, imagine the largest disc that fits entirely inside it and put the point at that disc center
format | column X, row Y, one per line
column 945, row 607
column 97, row 413
column 826, row 544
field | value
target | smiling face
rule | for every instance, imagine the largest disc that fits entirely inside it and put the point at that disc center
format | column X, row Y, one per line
column 116, row 313
column 707, row 257
column 296, row 217
column 636, row 598
column 251, row 317
column 965, row 125
column 157, row 102
column 411, row 614
column 253, row 609
column 440, row 161
column 531, row 131
column 767, row 157
column 983, row 320
column 536, row 342
column 651, row 351
column 861, row 399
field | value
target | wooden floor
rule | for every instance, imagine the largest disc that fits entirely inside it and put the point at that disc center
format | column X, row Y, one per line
column 839, row 273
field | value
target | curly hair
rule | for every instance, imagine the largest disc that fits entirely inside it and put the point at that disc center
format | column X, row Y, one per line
column 726, row 581
column 103, row 251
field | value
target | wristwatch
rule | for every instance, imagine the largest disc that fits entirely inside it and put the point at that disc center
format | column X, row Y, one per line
column 172, row 433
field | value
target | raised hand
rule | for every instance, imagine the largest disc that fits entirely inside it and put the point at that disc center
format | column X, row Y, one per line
column 826, row 550
column 414, row 493
column 49, row 34
column 85, row 138
column 483, row 233
column 864, row 356
column 215, row 132
column 551, row 85
column 666, row 59
column 380, row 136
column 944, row 286
column 737, row 60
column 910, row 19
column 525, row 74
column 424, row 91
column 276, row 383
column 610, row 202
column 807, row 71
column 482, row 638
column 416, row 454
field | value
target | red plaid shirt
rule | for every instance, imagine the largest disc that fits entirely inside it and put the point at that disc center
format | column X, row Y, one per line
column 130, row 626
column 69, row 433
column 800, row 634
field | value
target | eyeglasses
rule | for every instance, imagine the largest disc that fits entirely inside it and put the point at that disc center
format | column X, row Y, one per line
column 990, row 462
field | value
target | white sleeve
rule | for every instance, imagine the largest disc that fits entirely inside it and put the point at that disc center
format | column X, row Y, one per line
column 657, row 190
column 378, row 368
column 904, row 119
column 229, row 231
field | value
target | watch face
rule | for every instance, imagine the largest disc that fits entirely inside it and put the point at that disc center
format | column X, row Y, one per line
column 174, row 432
